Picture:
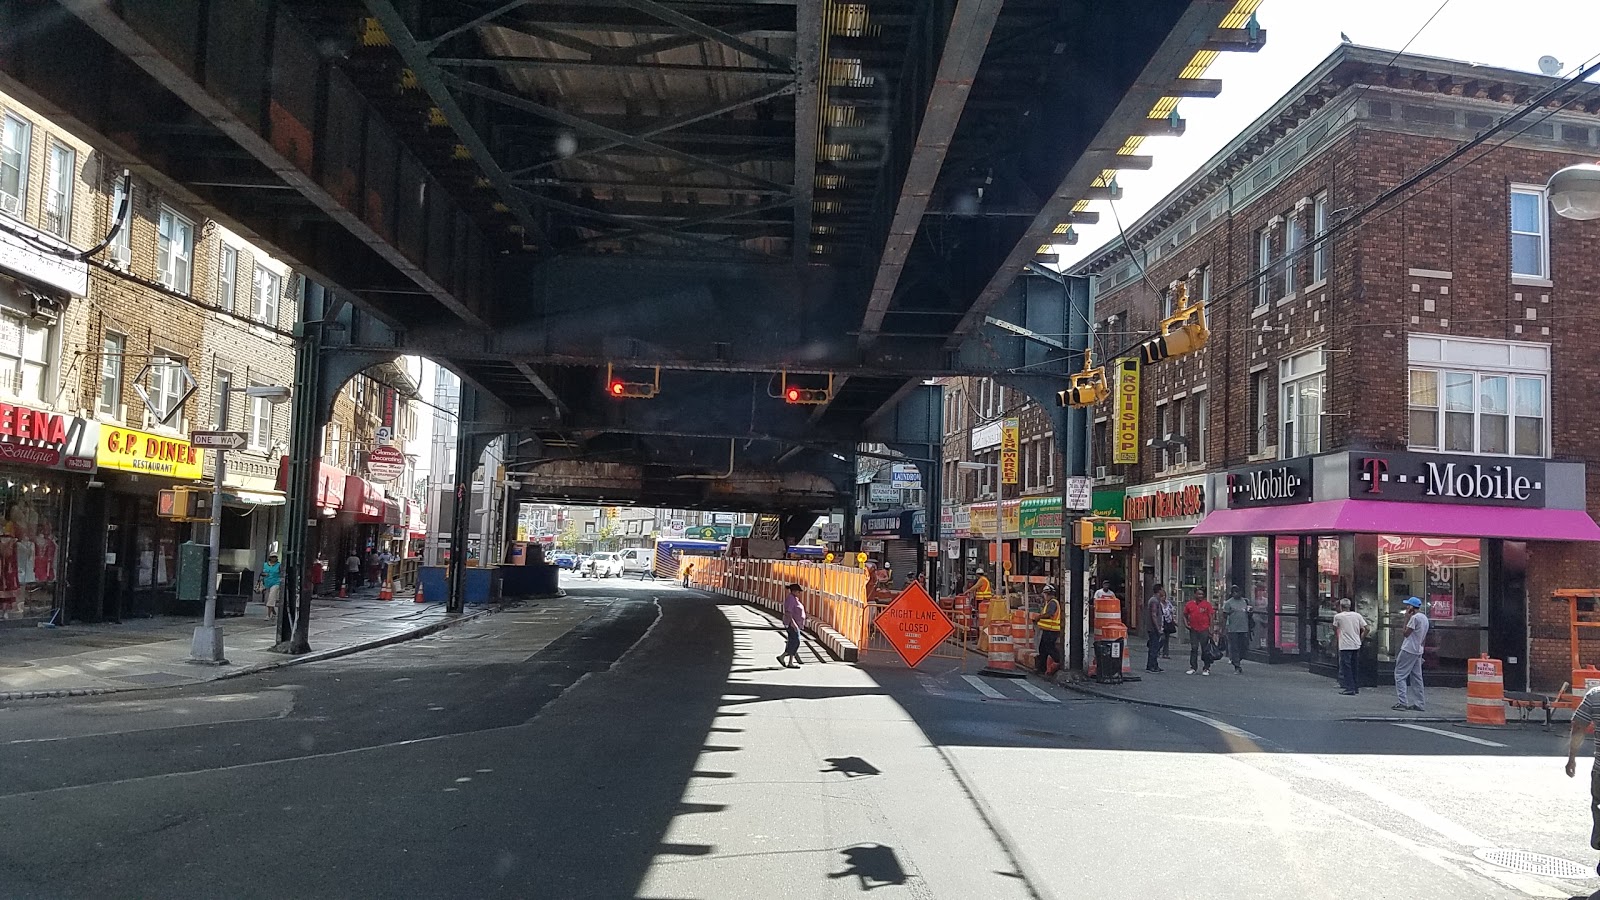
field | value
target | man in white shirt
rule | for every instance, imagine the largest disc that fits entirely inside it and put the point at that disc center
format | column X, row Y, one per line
column 1408, row 662
column 1350, row 629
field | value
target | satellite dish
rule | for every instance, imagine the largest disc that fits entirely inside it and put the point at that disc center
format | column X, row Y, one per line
column 1549, row 65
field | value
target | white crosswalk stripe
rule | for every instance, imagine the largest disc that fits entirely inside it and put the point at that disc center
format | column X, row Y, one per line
column 984, row 687
column 1039, row 692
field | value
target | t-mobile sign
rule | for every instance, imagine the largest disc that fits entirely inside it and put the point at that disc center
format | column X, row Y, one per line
column 1438, row 478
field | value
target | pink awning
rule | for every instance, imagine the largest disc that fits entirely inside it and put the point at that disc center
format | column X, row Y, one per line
column 1387, row 517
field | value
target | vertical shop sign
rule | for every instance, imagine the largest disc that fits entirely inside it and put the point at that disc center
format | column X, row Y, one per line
column 1008, row 452
column 1126, row 451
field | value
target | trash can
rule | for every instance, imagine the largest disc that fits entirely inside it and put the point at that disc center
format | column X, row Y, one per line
column 1108, row 661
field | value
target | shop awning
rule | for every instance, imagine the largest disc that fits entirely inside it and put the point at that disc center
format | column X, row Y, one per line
column 1389, row 517
column 363, row 500
column 247, row 497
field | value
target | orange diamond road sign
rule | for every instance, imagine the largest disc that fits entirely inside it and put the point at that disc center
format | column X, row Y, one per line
column 914, row 624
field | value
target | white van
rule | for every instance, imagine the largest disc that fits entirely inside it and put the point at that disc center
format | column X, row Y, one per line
column 640, row 560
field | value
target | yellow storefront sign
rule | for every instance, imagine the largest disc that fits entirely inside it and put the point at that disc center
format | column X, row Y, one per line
column 983, row 519
column 1046, row 547
column 131, row 450
column 1126, row 449
column 1008, row 452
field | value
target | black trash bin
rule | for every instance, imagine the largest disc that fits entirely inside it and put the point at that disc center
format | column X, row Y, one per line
column 1108, row 661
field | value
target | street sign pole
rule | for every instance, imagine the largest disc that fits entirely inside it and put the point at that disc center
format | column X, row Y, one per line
column 206, row 647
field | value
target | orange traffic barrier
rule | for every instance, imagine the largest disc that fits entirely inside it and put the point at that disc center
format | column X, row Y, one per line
column 387, row 591
column 1002, row 652
column 1486, row 692
column 1116, row 631
column 1107, row 611
column 419, row 598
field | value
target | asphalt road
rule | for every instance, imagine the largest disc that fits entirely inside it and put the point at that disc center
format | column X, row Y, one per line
column 636, row 740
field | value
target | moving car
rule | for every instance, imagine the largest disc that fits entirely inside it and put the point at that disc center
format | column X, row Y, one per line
column 603, row 565
column 566, row 560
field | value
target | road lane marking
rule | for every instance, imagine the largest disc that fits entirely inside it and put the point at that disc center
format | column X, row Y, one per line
column 1224, row 727
column 930, row 685
column 983, row 688
column 1039, row 692
column 1449, row 734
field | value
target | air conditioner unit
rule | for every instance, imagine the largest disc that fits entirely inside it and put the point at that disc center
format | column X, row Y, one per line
column 1101, row 472
column 11, row 204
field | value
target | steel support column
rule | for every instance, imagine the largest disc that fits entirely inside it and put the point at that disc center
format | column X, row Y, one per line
column 305, row 452
column 466, row 461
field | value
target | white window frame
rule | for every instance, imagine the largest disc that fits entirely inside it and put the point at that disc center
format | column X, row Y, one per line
column 227, row 277
column 113, row 353
column 1264, row 267
column 266, row 288
column 61, row 163
column 1441, row 355
column 1197, row 444
column 1319, row 229
column 1294, row 409
column 260, row 422
column 165, row 387
column 1294, row 237
column 121, row 248
column 1262, row 437
column 1537, row 191
column 1163, row 428
column 16, row 363
column 15, row 205
column 221, row 384
column 175, row 251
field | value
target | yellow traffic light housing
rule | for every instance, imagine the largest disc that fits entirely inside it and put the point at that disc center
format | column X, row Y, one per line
column 804, row 396
column 1086, row 388
column 632, row 390
column 1182, row 332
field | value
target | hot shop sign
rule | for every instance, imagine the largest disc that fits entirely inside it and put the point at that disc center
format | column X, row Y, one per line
column 37, row 438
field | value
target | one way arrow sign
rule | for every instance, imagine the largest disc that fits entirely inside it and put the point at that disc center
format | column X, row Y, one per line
column 218, row 440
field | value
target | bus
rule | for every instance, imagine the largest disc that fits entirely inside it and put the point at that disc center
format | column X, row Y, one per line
column 669, row 550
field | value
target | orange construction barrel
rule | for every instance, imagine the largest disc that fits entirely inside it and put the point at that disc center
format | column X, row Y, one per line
column 1107, row 611
column 1486, row 692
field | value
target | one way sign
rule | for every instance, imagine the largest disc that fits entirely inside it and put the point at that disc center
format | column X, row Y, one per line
column 218, row 440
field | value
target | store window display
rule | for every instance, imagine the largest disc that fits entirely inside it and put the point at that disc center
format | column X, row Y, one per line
column 30, row 556
column 1446, row 573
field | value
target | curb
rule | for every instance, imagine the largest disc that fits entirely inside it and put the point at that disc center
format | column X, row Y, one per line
column 1079, row 688
column 315, row 656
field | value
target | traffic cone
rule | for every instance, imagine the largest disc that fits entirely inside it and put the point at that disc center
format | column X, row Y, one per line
column 419, row 598
column 387, row 591
column 344, row 590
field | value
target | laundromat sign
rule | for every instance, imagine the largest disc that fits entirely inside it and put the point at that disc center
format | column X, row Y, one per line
column 128, row 450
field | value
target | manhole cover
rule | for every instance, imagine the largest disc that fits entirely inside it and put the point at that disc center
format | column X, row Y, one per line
column 1534, row 863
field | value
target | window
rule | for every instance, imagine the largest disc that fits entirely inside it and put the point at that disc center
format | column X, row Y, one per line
column 1166, row 303
column 1163, row 428
column 1301, row 383
column 1197, row 444
column 58, row 195
column 165, row 389
column 1530, row 249
column 1205, row 283
column 112, row 348
column 121, row 249
column 175, row 252
column 227, row 277
column 16, row 137
column 1261, row 406
column 1319, row 228
column 1050, row 454
column 260, row 423
column 1263, row 267
column 1479, row 413
column 1181, row 408
column 1293, row 237
column 267, row 284
column 24, row 355
column 223, row 382
column 332, row 444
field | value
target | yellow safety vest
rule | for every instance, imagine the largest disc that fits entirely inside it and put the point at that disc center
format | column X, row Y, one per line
column 981, row 588
column 1051, row 623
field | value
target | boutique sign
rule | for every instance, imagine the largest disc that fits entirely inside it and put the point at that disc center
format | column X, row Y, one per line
column 1437, row 478
column 1275, row 484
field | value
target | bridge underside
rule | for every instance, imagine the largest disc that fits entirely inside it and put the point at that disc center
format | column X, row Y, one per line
column 743, row 193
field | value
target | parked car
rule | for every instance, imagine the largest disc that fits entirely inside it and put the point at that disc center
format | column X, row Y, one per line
column 603, row 565
column 566, row 560
column 638, row 560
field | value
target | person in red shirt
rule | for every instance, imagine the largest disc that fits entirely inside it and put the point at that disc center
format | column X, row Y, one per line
column 1198, row 614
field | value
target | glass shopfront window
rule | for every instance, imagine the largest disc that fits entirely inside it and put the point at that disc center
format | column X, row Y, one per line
column 1447, row 575
column 1187, row 567
column 1286, row 594
column 31, row 558
column 1260, row 591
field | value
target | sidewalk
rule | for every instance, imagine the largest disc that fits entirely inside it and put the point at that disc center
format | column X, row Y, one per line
column 1283, row 691
column 79, row 660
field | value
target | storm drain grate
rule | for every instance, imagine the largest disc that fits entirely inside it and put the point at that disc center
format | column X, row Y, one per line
column 1534, row 863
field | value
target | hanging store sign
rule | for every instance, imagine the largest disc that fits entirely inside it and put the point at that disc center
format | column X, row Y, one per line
column 23, row 257
column 1108, row 503
column 884, row 524
column 1275, row 484
column 385, row 464
column 1125, row 449
column 130, row 450
column 879, row 492
column 32, row 437
column 986, row 436
column 1168, row 504
column 1040, row 517
column 905, row 477
column 982, row 519
column 1008, row 452
column 1046, row 547
column 1437, row 478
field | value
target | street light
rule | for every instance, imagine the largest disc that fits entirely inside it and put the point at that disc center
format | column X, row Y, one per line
column 206, row 646
column 999, row 519
column 1575, row 192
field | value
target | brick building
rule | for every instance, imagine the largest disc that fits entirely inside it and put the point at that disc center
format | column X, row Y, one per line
column 1393, row 401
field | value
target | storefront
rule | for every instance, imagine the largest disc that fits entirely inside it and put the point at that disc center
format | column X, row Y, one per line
column 45, row 461
column 141, row 555
column 955, row 527
column 980, row 546
column 889, row 538
column 330, row 538
column 1114, row 569
column 1039, row 524
column 364, row 514
column 1455, row 531
column 1162, row 514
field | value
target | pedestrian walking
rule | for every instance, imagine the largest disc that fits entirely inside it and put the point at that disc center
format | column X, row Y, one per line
column 1408, row 662
column 1350, row 629
column 688, row 573
column 794, row 619
column 272, row 583
column 352, row 571
column 1169, row 626
column 1154, row 627
column 319, row 570
column 1049, row 620
column 1586, row 715
column 1236, row 624
column 1198, row 614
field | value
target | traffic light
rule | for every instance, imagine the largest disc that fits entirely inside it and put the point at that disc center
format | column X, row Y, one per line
column 1086, row 388
column 632, row 390
column 801, row 396
column 1182, row 332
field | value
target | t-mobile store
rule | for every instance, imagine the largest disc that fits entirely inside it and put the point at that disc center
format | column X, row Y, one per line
column 1378, row 527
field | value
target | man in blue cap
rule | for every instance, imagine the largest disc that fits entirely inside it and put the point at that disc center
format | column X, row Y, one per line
column 1408, row 662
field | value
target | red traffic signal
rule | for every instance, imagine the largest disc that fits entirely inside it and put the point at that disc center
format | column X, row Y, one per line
column 805, row 397
column 631, row 390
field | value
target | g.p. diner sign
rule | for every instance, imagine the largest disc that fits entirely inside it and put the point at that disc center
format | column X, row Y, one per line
column 1437, row 478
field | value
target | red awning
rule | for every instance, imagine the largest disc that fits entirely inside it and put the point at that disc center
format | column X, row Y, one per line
column 363, row 499
column 329, row 492
column 417, row 526
column 1390, row 517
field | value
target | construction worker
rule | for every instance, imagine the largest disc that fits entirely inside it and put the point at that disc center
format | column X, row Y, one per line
column 1049, row 620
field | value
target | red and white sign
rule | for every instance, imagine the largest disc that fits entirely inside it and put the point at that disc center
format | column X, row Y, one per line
column 385, row 464
column 913, row 624
column 36, row 438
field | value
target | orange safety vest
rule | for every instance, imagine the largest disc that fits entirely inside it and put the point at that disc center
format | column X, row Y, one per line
column 1051, row 623
column 981, row 587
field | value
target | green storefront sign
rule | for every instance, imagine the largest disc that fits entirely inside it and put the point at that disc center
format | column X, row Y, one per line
column 709, row 532
column 1040, row 517
column 1108, row 502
